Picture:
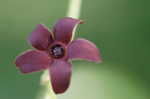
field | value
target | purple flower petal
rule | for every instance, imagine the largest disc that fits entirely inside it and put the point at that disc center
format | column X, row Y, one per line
column 60, row 74
column 32, row 61
column 41, row 37
column 83, row 49
column 64, row 28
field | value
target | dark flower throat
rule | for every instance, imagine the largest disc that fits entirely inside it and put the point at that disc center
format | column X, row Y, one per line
column 57, row 51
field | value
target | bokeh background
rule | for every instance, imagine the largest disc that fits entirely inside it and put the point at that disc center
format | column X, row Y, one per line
column 119, row 28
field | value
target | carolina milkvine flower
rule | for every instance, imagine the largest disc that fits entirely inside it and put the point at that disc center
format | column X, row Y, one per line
column 54, row 50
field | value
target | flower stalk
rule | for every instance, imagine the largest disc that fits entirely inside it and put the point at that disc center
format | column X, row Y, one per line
column 74, row 10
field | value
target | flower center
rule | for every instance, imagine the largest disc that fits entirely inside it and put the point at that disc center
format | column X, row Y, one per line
column 57, row 51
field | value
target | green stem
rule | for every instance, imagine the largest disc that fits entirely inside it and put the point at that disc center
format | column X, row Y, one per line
column 74, row 8
column 47, row 92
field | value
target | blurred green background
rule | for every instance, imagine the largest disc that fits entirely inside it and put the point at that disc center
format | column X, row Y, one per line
column 120, row 28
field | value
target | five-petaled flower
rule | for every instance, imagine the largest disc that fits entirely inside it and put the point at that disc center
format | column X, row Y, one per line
column 54, row 50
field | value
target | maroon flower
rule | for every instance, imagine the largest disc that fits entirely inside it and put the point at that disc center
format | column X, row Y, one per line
column 54, row 50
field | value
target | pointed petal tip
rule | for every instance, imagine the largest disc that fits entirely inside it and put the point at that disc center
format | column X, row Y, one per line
column 60, row 91
column 70, row 18
column 98, row 60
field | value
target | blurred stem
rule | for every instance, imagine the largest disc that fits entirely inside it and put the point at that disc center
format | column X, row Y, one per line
column 47, row 92
column 74, row 8
column 74, row 12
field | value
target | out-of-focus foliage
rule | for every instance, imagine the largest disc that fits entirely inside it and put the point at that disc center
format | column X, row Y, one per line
column 120, row 28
